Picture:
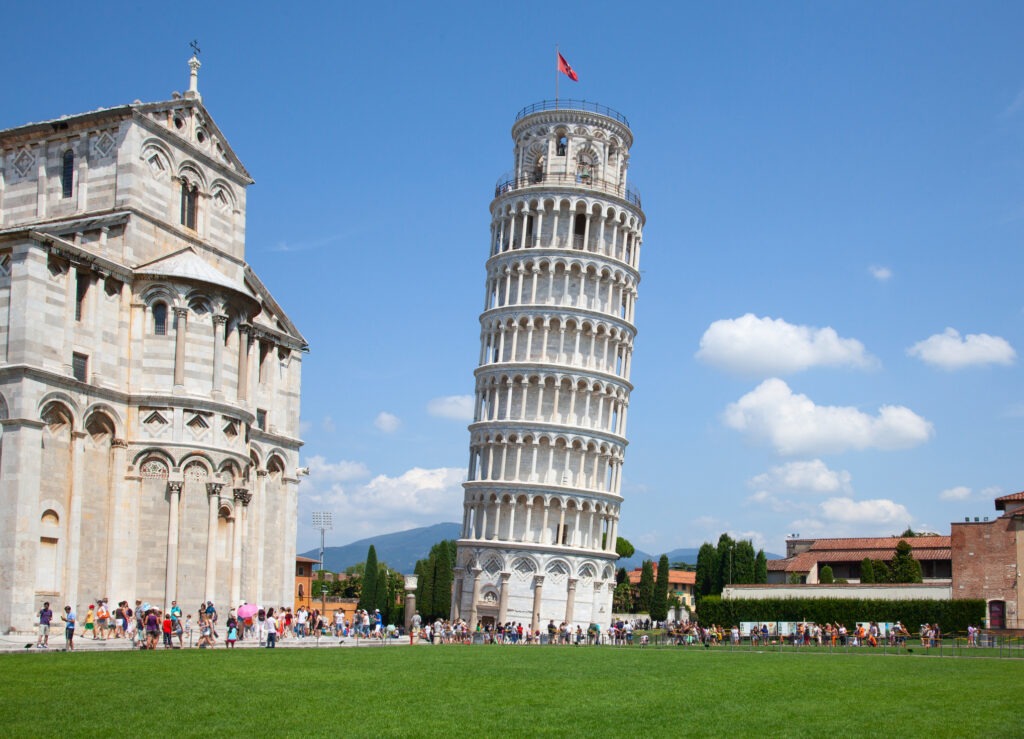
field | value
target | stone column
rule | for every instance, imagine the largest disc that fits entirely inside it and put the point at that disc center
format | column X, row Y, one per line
column 261, row 514
column 116, row 561
column 243, row 361
column 538, row 588
column 213, row 493
column 20, row 475
column 473, row 611
column 73, row 556
column 410, row 602
column 171, row 583
column 460, row 573
column 570, row 601
column 503, row 598
column 219, row 324
column 180, row 331
column 242, row 497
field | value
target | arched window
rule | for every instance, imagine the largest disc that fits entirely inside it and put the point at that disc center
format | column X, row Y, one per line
column 160, row 319
column 67, row 174
column 189, row 204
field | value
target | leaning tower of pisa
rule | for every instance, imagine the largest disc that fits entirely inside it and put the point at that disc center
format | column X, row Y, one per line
column 548, row 437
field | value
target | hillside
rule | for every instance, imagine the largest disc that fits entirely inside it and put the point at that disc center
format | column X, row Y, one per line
column 399, row 550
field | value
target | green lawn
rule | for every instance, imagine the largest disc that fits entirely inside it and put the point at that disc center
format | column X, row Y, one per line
column 508, row 691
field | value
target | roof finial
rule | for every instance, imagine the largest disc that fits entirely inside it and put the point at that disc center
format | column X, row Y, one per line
column 194, row 65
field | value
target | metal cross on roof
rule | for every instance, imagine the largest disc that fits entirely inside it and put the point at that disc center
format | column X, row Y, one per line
column 195, row 47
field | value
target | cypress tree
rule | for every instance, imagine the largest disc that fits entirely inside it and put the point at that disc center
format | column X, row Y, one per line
column 426, row 603
column 761, row 567
column 369, row 591
column 443, row 581
column 380, row 599
column 659, row 600
column 707, row 569
column 743, row 562
column 726, row 562
column 825, row 577
column 646, row 594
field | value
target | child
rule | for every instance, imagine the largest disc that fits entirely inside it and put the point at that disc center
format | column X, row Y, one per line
column 232, row 635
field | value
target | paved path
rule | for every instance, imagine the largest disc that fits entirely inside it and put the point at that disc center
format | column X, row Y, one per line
column 26, row 643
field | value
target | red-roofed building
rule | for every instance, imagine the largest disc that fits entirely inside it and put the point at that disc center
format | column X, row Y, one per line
column 680, row 584
column 806, row 557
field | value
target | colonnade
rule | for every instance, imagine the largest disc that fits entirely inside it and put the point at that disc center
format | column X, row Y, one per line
column 524, row 225
column 588, row 467
column 546, row 520
column 557, row 340
column 559, row 284
column 560, row 399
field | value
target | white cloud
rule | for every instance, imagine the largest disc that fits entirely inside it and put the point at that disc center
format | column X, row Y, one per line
column 951, row 352
column 752, row 345
column 805, row 476
column 327, row 424
column 387, row 422
column 793, row 424
column 882, row 274
column 455, row 407
column 383, row 504
column 866, row 513
column 960, row 492
column 322, row 470
column 964, row 493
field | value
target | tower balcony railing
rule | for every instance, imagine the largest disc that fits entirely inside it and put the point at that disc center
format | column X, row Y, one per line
column 571, row 104
column 509, row 183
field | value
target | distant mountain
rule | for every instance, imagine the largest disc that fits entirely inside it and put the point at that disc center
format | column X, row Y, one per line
column 689, row 556
column 399, row 550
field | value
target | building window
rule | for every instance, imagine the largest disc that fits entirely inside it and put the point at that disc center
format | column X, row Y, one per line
column 189, row 204
column 67, row 174
column 160, row 319
column 81, row 290
column 80, row 366
column 261, row 419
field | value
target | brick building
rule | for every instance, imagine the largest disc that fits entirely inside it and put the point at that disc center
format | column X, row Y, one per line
column 987, row 560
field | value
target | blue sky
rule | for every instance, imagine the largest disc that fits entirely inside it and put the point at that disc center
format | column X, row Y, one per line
column 830, row 314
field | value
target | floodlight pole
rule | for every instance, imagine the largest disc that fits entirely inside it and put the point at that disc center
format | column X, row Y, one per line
column 323, row 520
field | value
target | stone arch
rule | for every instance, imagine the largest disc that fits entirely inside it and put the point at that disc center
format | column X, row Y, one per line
column 157, row 156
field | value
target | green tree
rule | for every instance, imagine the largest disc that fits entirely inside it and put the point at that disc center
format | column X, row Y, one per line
column 659, row 599
column 904, row 567
column 825, row 577
column 622, row 598
column 908, row 533
column 867, row 571
column 707, row 570
column 743, row 566
column 646, row 590
column 382, row 591
column 443, row 576
column 761, row 567
column 726, row 562
column 882, row 572
column 368, row 593
column 623, row 548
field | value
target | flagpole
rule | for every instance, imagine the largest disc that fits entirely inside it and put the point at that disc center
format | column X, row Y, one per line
column 556, row 76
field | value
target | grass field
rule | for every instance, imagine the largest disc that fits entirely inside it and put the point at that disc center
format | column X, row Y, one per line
column 507, row 691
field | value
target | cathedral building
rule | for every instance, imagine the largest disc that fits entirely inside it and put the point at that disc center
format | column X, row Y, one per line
column 548, row 439
column 149, row 382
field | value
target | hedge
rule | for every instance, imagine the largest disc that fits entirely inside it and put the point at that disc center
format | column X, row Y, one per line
column 950, row 615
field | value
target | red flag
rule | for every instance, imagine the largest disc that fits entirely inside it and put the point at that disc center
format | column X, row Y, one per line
column 563, row 67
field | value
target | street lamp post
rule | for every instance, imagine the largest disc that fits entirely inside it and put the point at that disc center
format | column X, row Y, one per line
column 324, row 521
